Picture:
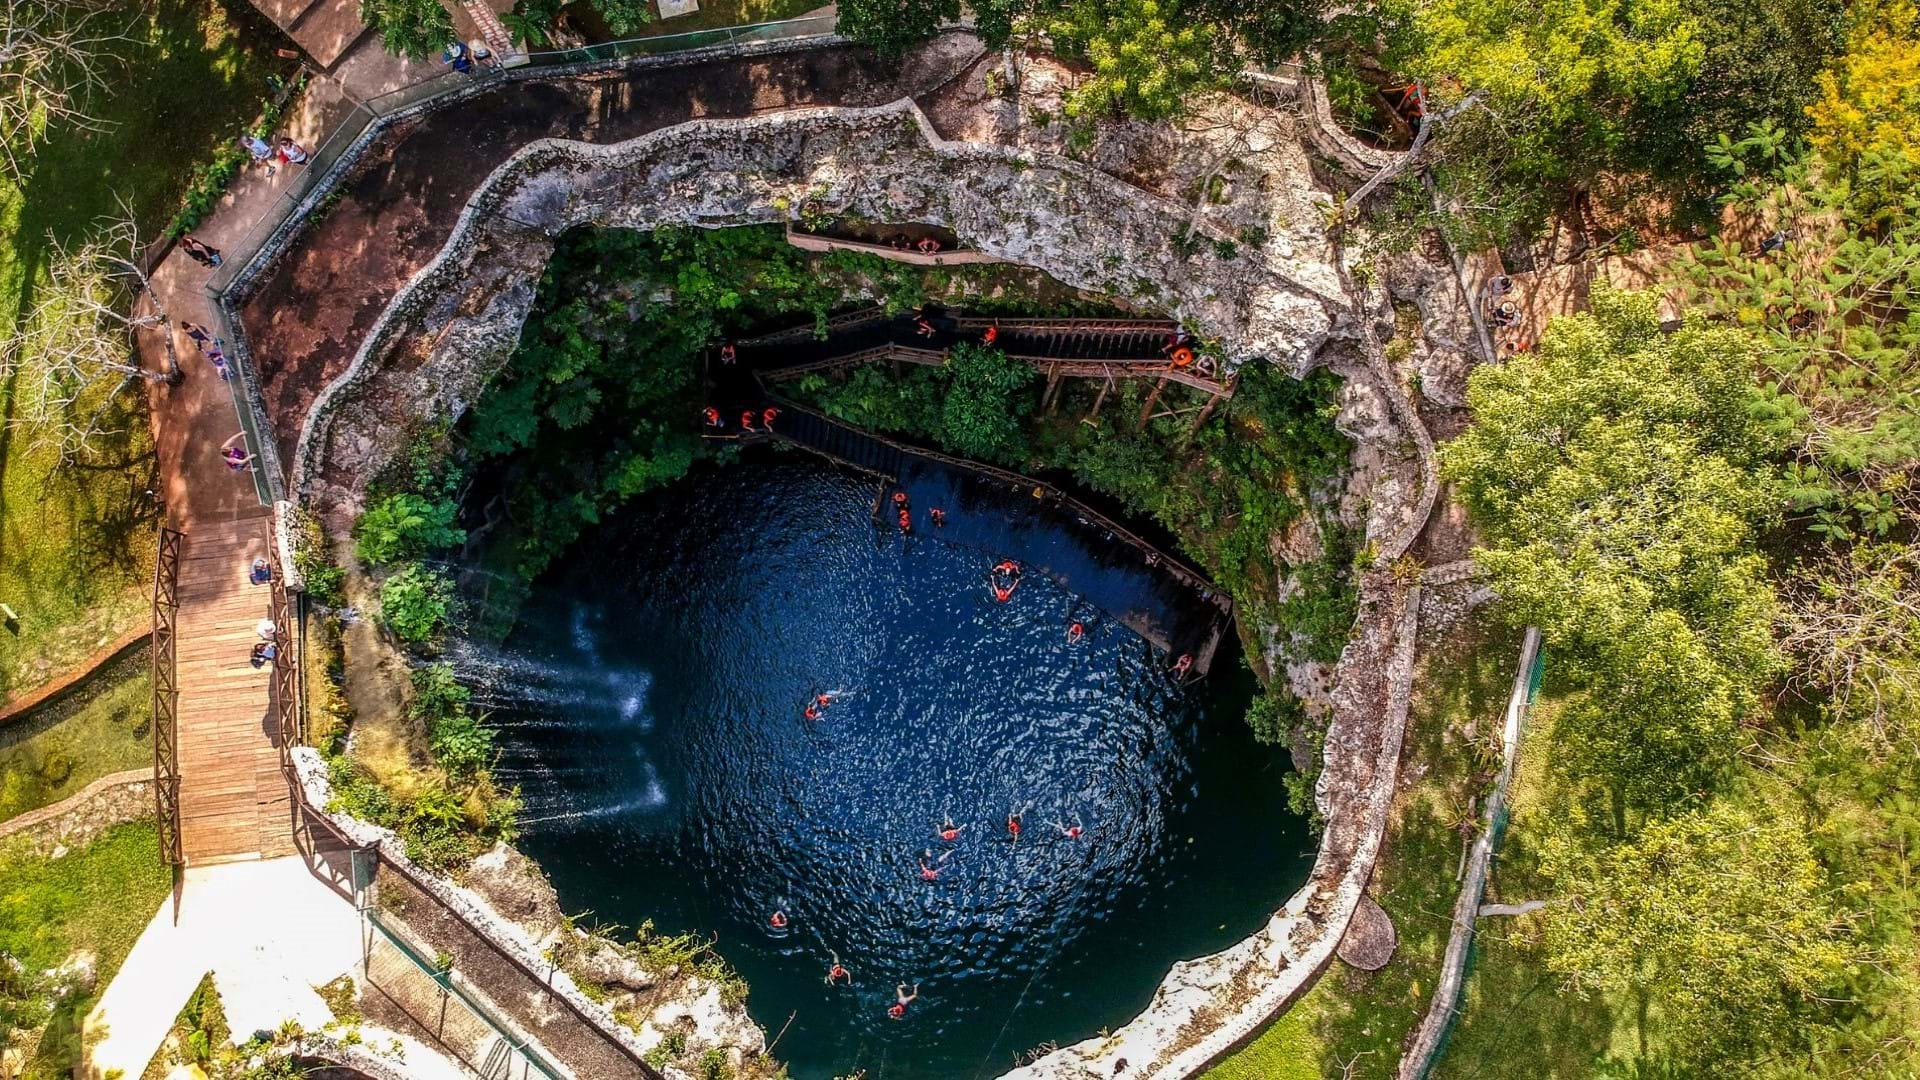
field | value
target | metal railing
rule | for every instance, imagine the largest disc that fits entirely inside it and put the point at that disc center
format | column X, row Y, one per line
column 166, row 696
column 449, row 84
column 434, row 996
column 286, row 688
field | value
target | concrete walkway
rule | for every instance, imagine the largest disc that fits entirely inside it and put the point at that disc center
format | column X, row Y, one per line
column 268, row 931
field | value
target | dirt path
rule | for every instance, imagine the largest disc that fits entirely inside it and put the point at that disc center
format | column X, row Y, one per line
column 310, row 311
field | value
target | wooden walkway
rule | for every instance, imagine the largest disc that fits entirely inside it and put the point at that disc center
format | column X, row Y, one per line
column 234, row 800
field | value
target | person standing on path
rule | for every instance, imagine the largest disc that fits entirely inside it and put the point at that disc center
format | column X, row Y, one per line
column 233, row 453
column 199, row 335
column 291, row 152
column 204, row 254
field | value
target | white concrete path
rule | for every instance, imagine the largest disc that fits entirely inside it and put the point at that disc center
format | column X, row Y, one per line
column 268, row 931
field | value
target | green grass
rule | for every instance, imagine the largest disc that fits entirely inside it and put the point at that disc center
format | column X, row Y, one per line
column 94, row 901
column 76, row 546
column 1287, row 1049
column 1358, row 1018
column 102, row 727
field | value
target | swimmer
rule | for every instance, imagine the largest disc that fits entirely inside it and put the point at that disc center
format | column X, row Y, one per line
column 1075, row 633
column 713, row 416
column 992, row 335
column 930, row 871
column 766, row 417
column 811, row 712
column 824, row 698
column 1013, row 825
column 1002, row 595
column 836, row 972
column 906, row 522
column 727, row 354
column 899, row 498
column 938, row 517
column 949, row 831
column 1007, row 566
column 1183, row 665
column 925, row 328
column 746, row 420
column 901, row 999
column 1071, row 832
column 778, row 920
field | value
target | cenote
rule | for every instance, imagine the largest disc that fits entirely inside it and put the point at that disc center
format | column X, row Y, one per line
column 656, row 730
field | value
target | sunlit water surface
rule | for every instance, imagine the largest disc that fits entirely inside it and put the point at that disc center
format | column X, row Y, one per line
column 652, row 705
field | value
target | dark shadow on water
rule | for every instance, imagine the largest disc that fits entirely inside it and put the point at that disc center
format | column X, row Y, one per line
column 651, row 704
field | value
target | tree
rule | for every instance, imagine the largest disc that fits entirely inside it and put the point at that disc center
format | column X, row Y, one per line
column 1619, row 476
column 1722, row 915
column 52, row 53
column 1870, row 101
column 1852, row 624
column 1147, row 56
column 75, row 349
column 987, row 403
column 415, row 29
column 893, row 26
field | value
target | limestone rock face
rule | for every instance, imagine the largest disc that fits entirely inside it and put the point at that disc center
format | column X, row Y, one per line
column 515, row 886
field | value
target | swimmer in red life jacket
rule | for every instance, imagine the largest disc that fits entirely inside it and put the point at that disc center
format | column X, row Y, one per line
column 766, row 417
column 727, row 354
column 899, row 498
column 938, row 517
column 811, row 712
column 930, row 871
column 713, row 416
column 1075, row 633
column 836, row 972
column 778, row 920
column 901, row 999
column 1013, row 825
column 1071, row 832
column 1183, row 665
column 906, row 522
column 949, row 831
column 746, row 420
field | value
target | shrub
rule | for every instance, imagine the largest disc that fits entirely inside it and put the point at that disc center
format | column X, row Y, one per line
column 415, row 602
column 415, row 29
column 987, row 403
column 407, row 526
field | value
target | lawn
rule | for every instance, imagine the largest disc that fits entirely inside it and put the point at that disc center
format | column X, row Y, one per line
column 104, row 726
column 1354, row 1023
column 90, row 903
column 76, row 544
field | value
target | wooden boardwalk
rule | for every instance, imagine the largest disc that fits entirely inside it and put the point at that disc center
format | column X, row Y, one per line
column 234, row 800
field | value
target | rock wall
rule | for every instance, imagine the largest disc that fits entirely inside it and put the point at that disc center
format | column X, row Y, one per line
column 450, row 328
column 52, row 831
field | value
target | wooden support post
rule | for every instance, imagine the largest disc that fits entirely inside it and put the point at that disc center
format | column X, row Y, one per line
column 1051, row 399
column 1146, row 411
column 1205, row 411
column 1093, row 415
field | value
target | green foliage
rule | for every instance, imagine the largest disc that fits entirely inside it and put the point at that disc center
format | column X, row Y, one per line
column 462, row 743
column 1618, row 477
column 415, row 602
column 892, row 26
column 415, row 29
column 407, row 526
column 210, row 181
column 444, row 827
column 531, row 21
column 1146, row 56
column 624, row 17
column 989, row 397
column 1722, row 913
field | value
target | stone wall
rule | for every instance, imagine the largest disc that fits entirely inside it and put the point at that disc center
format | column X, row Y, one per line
column 432, row 351
column 73, row 822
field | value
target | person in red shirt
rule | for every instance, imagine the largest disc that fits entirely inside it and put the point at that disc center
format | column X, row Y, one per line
column 902, row 999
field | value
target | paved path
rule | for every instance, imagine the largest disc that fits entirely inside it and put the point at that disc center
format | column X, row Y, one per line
column 268, row 931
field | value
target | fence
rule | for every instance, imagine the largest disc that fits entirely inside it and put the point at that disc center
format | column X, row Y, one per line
column 166, row 696
column 320, row 174
column 433, row 996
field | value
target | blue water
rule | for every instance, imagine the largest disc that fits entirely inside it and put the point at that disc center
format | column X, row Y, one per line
column 656, row 726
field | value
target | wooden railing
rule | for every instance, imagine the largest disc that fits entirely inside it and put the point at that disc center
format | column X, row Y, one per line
column 166, row 696
column 288, row 716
